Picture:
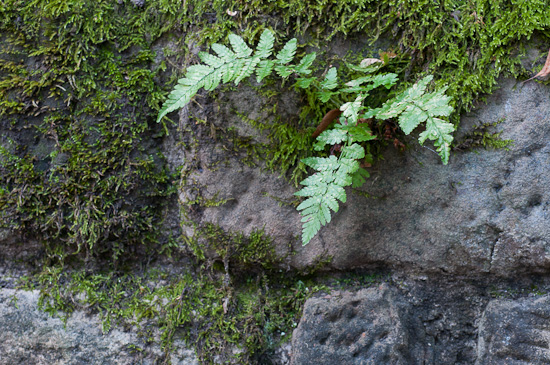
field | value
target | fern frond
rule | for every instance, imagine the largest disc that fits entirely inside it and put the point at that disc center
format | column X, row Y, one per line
column 413, row 107
column 439, row 131
column 264, row 69
column 324, row 188
column 227, row 66
column 350, row 110
column 239, row 46
column 265, row 45
column 286, row 54
column 331, row 79
column 305, row 64
column 331, row 137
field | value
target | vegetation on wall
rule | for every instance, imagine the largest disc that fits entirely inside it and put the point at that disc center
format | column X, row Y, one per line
column 81, row 85
column 325, row 187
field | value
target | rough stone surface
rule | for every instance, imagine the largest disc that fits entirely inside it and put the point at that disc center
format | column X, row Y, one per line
column 371, row 326
column 427, row 320
column 515, row 332
column 486, row 212
column 30, row 336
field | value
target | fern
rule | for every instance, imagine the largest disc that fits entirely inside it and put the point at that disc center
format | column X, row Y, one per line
column 325, row 189
column 235, row 65
column 412, row 107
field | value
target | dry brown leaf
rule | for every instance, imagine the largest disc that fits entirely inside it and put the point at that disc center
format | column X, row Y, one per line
column 327, row 119
column 544, row 73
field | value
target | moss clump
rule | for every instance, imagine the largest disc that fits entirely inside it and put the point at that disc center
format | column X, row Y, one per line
column 237, row 314
column 80, row 87
column 482, row 136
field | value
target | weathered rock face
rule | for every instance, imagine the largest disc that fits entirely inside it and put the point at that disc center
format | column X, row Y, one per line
column 423, row 321
column 30, row 336
column 369, row 326
column 486, row 212
column 515, row 332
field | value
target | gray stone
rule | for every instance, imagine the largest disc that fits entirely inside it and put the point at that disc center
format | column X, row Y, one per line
column 486, row 212
column 515, row 332
column 30, row 336
column 371, row 326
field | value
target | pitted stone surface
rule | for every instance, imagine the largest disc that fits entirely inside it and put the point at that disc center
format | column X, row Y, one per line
column 370, row 326
column 515, row 332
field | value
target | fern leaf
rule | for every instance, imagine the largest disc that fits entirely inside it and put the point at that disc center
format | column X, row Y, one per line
column 211, row 60
column 439, row 131
column 358, row 178
column 414, row 106
column 355, row 152
column 331, row 79
column 311, row 202
column 239, row 46
column 247, row 69
column 325, row 96
column 386, row 80
column 304, row 83
column 347, row 167
column 177, row 99
column 286, row 54
column 322, row 163
column 437, row 104
column 223, row 52
column 411, row 118
column 312, row 190
column 367, row 69
column 264, row 69
column 265, row 45
column 358, row 133
column 332, row 136
column 350, row 110
column 213, row 80
column 337, row 192
column 311, row 226
column 284, row 71
column 305, row 64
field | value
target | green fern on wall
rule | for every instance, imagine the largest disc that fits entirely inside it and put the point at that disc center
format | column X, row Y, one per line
column 326, row 187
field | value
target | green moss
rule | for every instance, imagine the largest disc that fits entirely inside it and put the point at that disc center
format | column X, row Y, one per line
column 80, row 87
column 482, row 136
column 246, row 307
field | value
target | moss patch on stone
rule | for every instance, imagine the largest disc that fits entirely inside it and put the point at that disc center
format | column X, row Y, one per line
column 80, row 169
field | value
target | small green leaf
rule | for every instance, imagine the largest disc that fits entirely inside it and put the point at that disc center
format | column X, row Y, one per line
column 223, row 52
column 350, row 110
column 304, row 83
column 355, row 152
column 265, row 45
column 325, row 96
column 264, row 69
column 239, row 46
column 286, row 54
column 333, row 136
column 305, row 64
column 331, row 79
column 411, row 118
column 358, row 178
column 322, row 163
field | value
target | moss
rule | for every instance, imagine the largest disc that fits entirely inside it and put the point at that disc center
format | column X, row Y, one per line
column 80, row 86
column 244, row 308
column 482, row 136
